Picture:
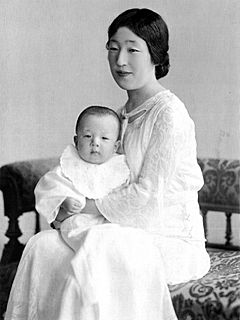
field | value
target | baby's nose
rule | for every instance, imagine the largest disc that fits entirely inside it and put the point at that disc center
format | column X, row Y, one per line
column 95, row 142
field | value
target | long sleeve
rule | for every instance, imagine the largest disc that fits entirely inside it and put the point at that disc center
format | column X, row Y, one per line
column 141, row 203
column 51, row 191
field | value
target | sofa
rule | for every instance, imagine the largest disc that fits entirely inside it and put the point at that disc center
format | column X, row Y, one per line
column 214, row 297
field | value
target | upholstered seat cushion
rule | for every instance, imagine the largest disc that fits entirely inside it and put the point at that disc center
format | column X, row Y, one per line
column 214, row 297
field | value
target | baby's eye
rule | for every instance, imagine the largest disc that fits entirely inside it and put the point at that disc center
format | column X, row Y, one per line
column 105, row 138
column 87, row 136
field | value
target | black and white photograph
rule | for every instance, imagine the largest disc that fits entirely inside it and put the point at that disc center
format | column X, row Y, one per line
column 119, row 160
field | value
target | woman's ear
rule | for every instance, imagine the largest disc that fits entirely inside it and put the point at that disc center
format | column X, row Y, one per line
column 75, row 139
column 116, row 145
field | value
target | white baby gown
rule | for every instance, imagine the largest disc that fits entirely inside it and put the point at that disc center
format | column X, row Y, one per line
column 155, row 237
column 78, row 179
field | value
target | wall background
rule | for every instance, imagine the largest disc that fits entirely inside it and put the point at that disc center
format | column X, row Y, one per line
column 54, row 63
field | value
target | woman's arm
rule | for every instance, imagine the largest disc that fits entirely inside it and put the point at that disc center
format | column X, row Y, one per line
column 138, row 204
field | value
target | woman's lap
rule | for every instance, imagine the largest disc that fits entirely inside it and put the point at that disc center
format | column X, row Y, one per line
column 119, row 270
column 51, row 275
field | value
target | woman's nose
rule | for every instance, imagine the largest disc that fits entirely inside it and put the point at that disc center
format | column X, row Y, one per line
column 121, row 58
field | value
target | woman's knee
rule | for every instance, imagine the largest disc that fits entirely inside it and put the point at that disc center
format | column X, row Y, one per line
column 46, row 242
column 43, row 237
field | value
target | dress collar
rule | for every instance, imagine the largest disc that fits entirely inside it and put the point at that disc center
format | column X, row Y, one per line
column 138, row 112
column 142, row 108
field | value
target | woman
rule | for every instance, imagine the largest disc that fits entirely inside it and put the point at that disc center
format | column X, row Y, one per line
column 155, row 237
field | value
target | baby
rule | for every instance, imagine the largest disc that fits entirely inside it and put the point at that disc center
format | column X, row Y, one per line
column 90, row 169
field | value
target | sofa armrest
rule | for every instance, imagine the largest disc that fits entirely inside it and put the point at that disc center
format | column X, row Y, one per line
column 17, row 183
column 220, row 193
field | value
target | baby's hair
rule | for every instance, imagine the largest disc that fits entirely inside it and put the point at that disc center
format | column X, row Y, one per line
column 97, row 111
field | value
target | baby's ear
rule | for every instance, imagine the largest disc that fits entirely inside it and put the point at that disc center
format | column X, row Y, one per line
column 75, row 139
column 116, row 145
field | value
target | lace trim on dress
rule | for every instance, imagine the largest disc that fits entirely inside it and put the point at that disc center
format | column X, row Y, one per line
column 94, row 180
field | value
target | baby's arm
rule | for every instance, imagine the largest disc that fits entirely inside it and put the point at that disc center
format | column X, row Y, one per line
column 68, row 207
column 51, row 191
column 72, row 205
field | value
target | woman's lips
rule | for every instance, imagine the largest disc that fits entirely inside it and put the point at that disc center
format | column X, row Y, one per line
column 123, row 73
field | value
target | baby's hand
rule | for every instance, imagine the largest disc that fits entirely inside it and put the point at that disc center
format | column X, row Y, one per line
column 71, row 205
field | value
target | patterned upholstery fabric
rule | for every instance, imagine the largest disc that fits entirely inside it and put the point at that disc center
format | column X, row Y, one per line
column 221, row 183
column 214, row 297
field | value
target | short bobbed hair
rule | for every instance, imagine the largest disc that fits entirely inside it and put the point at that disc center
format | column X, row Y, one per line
column 151, row 27
column 100, row 111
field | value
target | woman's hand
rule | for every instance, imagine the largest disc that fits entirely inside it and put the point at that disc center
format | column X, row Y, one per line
column 90, row 207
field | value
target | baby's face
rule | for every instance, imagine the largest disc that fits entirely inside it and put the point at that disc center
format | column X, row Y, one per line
column 97, row 138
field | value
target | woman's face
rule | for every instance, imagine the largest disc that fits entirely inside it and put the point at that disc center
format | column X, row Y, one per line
column 130, row 61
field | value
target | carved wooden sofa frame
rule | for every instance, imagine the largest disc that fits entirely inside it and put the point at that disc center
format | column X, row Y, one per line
column 215, row 296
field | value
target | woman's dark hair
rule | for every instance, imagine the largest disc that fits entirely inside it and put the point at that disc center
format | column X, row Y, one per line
column 97, row 111
column 149, row 26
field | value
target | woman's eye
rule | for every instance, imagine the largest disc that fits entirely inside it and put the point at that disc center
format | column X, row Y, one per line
column 113, row 49
column 87, row 136
column 133, row 50
column 105, row 138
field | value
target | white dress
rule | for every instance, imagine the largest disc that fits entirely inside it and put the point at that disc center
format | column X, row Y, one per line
column 155, row 237
column 78, row 179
